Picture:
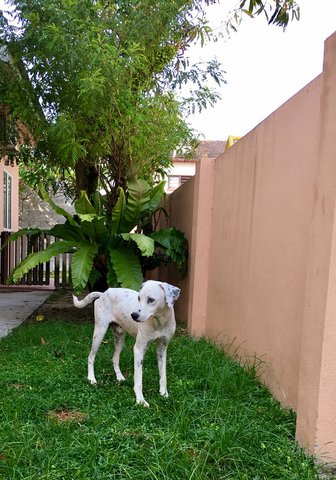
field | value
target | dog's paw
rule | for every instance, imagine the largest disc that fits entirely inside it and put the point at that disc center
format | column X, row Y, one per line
column 120, row 377
column 143, row 403
column 93, row 381
column 164, row 393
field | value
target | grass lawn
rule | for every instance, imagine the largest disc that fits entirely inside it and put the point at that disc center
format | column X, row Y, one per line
column 218, row 422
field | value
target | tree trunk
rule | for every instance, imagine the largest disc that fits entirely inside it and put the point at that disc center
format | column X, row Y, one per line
column 86, row 178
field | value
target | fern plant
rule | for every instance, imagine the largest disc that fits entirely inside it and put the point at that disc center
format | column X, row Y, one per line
column 108, row 248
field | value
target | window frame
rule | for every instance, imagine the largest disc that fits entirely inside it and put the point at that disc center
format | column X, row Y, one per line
column 176, row 178
column 7, row 200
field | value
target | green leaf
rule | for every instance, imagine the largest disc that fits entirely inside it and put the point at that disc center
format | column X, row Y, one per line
column 60, row 211
column 81, row 264
column 137, row 201
column 66, row 231
column 40, row 257
column 127, row 268
column 250, row 14
column 170, row 238
column 87, row 217
column 31, row 232
column 156, row 195
column 175, row 245
column 95, row 275
column 99, row 202
column 118, row 213
column 83, row 205
column 23, row 232
column 95, row 230
column 112, row 280
column 144, row 243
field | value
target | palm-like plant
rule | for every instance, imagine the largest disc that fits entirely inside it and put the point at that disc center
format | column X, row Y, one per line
column 108, row 247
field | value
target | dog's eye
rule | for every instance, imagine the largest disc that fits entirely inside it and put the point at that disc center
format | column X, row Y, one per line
column 138, row 299
column 150, row 300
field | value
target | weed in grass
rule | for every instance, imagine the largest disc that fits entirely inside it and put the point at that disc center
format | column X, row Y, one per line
column 218, row 423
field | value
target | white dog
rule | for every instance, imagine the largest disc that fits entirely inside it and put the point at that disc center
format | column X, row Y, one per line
column 147, row 315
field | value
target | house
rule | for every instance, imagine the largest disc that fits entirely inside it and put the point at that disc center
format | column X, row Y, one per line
column 9, row 171
column 185, row 168
column 9, row 177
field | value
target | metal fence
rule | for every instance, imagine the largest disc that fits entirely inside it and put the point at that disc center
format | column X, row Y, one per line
column 56, row 272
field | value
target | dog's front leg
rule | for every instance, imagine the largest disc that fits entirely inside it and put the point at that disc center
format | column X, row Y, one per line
column 140, row 348
column 161, row 353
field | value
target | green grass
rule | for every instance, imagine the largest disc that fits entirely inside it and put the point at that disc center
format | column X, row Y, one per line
column 219, row 422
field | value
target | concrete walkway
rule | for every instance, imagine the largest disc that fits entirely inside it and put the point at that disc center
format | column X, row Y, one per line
column 15, row 307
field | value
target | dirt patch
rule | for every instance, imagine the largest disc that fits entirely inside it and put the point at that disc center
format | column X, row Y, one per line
column 59, row 306
column 18, row 386
column 65, row 415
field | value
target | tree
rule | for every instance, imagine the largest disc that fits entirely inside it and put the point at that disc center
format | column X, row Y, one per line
column 277, row 12
column 94, row 81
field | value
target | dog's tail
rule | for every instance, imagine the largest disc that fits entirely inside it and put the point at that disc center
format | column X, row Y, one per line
column 88, row 299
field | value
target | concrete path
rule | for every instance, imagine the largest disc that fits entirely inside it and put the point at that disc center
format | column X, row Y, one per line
column 15, row 307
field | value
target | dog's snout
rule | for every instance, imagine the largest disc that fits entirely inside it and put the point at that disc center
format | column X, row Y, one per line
column 135, row 316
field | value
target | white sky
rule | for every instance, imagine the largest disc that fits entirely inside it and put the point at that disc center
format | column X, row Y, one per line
column 265, row 66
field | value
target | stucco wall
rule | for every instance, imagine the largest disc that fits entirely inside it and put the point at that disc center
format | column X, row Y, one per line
column 185, row 192
column 262, row 270
column 183, row 219
column 263, row 192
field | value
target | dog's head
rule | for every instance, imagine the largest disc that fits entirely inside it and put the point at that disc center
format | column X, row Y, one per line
column 153, row 298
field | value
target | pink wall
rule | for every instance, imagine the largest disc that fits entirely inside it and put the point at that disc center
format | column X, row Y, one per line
column 14, row 172
column 184, row 195
column 262, row 271
column 263, row 194
column 317, row 386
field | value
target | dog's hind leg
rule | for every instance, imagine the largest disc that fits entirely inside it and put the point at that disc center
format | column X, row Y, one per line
column 161, row 353
column 100, row 329
column 119, row 339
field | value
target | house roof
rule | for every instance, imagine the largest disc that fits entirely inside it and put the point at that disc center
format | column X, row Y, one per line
column 209, row 149
column 205, row 149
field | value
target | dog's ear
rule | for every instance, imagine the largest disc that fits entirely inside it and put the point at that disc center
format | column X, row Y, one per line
column 172, row 293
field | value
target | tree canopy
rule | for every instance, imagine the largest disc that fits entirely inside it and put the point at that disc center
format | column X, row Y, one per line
column 94, row 81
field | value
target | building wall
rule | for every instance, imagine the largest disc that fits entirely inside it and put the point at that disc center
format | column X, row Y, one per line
column 179, row 170
column 13, row 171
column 262, row 273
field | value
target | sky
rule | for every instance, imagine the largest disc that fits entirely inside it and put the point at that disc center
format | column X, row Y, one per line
column 265, row 66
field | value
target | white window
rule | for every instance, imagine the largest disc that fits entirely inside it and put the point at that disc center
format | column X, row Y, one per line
column 7, row 201
column 173, row 181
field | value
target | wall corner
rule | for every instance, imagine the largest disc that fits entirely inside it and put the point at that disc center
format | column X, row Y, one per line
column 201, row 244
